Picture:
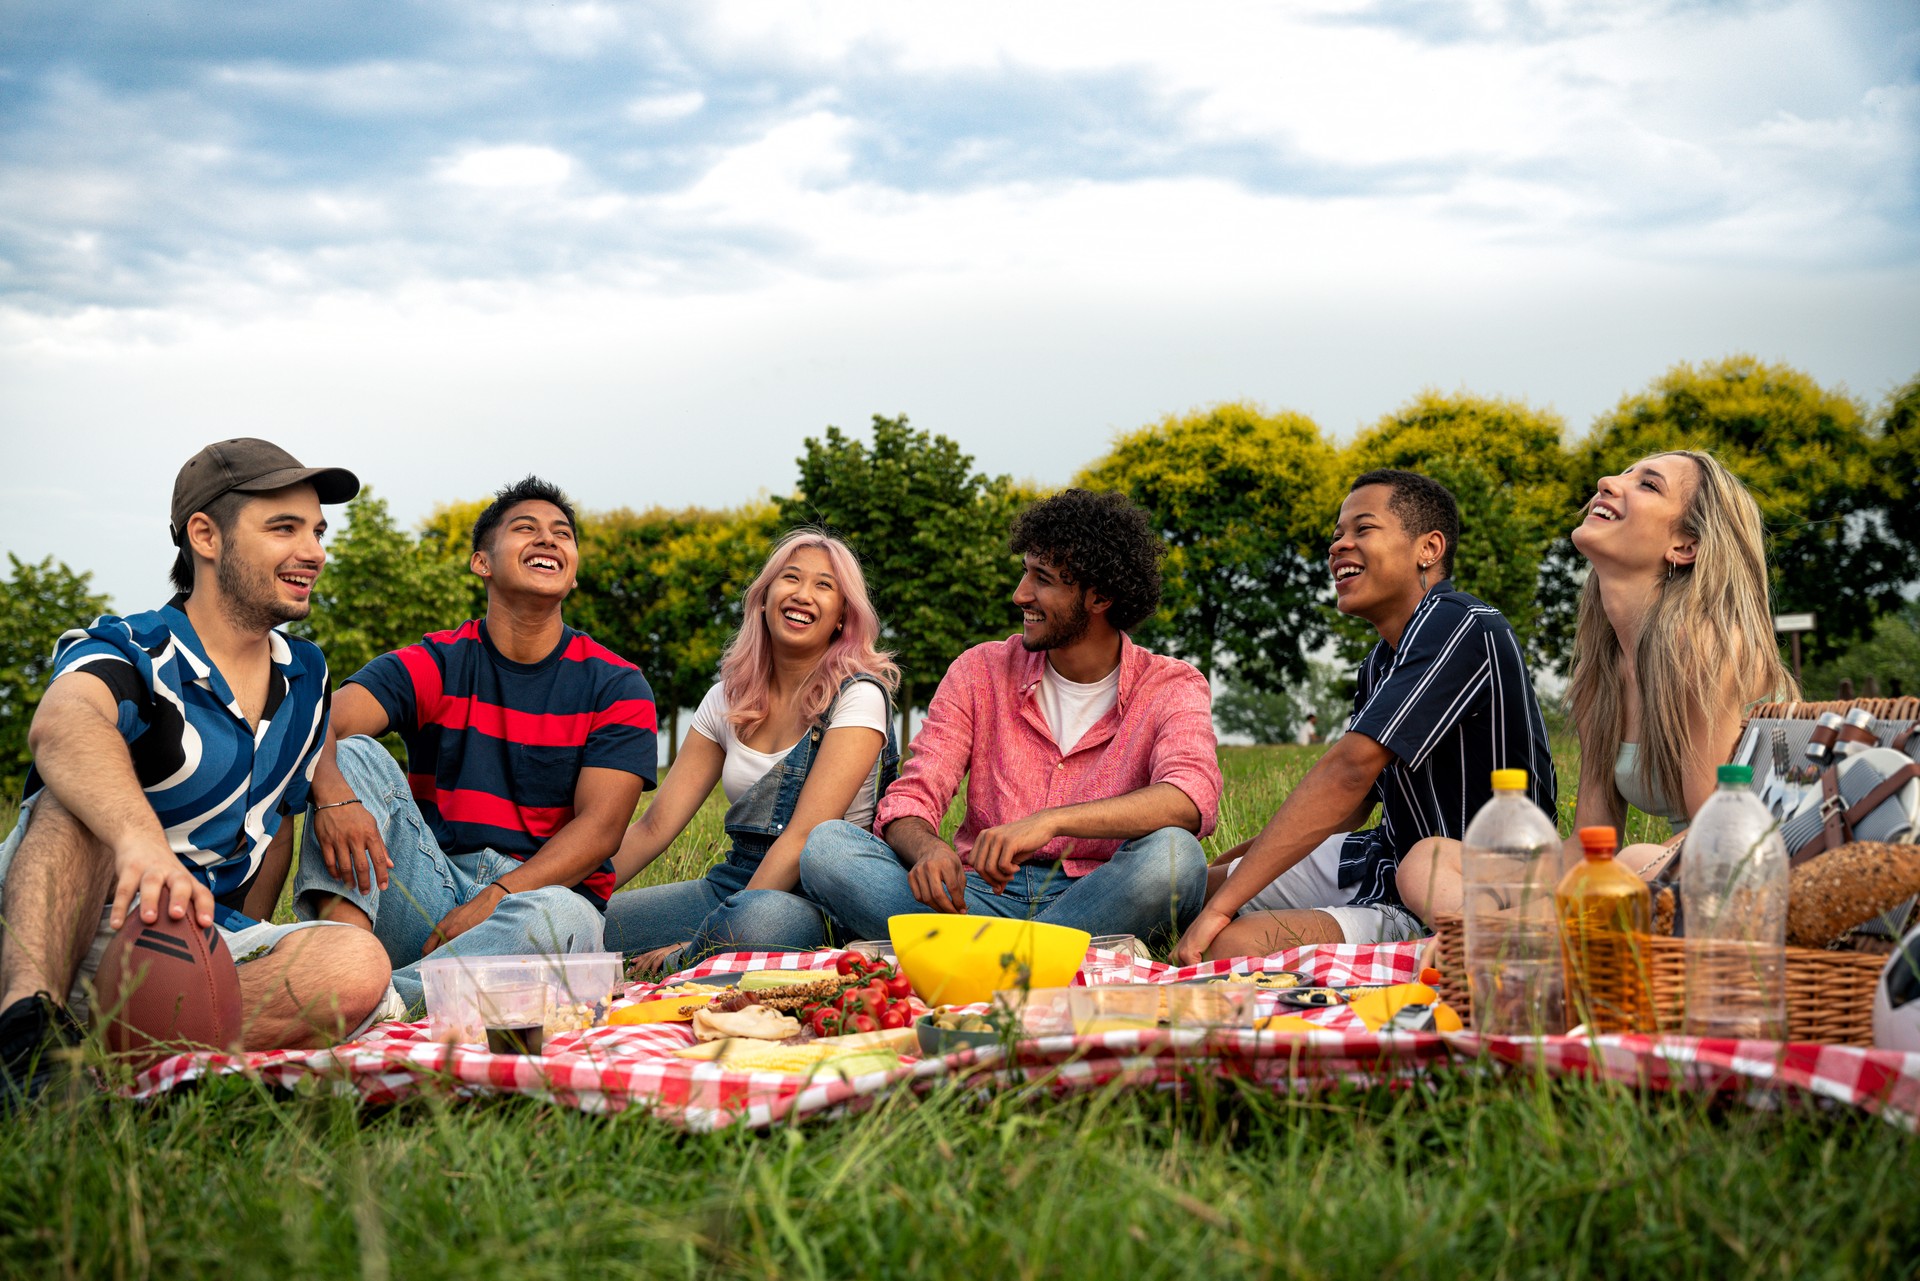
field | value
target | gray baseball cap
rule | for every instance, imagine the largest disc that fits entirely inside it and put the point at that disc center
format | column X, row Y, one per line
column 249, row 466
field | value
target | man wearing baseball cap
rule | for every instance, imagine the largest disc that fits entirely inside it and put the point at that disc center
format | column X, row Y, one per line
column 168, row 752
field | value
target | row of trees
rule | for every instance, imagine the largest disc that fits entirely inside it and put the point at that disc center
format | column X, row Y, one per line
column 1244, row 498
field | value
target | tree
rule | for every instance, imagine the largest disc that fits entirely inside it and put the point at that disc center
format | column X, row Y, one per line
column 1244, row 499
column 931, row 534
column 1505, row 463
column 1886, row 663
column 663, row 589
column 380, row 590
column 447, row 534
column 37, row 603
column 1897, row 429
column 1276, row 717
column 1811, row 463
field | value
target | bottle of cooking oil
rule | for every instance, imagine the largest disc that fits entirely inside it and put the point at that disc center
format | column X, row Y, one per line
column 1606, row 918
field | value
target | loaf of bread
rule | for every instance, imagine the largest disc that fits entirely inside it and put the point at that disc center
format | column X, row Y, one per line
column 1833, row 892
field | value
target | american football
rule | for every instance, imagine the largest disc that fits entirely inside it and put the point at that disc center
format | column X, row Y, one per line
column 167, row 986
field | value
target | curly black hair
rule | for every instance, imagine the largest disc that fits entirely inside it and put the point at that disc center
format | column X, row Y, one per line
column 1104, row 541
column 1423, row 505
column 525, row 490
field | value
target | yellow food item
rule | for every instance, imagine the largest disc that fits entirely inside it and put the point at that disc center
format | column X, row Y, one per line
column 674, row 1009
column 1375, row 1007
column 1109, row 1023
column 741, row 1055
column 1286, row 1023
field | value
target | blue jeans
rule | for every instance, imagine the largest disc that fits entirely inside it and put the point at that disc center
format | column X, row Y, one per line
column 1152, row 886
column 425, row 884
column 716, row 913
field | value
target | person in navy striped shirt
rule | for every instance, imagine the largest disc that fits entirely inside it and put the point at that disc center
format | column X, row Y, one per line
column 168, row 752
column 1442, row 701
column 528, row 745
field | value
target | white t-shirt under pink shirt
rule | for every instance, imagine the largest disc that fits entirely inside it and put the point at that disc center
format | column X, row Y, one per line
column 861, row 704
column 1071, row 709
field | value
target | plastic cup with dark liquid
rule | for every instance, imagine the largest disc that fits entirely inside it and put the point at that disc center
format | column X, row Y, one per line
column 515, row 1017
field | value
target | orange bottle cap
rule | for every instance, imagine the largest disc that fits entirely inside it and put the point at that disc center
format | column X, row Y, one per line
column 1598, row 842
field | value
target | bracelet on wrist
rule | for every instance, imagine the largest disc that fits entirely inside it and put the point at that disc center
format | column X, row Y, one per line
column 334, row 805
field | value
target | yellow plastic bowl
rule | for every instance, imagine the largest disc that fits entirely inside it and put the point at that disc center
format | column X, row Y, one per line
column 956, row 960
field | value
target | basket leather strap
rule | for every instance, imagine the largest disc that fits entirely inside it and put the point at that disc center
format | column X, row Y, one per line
column 1900, row 739
column 1852, row 733
column 1823, row 736
column 1837, row 829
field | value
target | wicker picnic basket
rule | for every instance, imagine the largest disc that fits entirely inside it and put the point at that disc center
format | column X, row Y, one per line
column 1829, row 994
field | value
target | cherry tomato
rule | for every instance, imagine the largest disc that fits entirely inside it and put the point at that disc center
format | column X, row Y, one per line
column 846, row 962
column 825, row 1022
column 864, row 1023
column 896, row 1016
column 899, row 988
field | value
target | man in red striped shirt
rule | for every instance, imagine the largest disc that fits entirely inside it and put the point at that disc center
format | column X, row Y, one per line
column 528, row 745
column 1089, row 762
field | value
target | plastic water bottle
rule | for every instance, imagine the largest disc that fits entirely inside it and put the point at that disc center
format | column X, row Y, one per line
column 1606, row 918
column 1510, row 863
column 1733, row 888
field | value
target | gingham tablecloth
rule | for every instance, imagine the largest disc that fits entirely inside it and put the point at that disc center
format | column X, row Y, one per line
column 608, row 1069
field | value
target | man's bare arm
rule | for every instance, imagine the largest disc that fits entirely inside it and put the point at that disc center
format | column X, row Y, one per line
column 76, row 745
column 348, row 836
column 1337, row 791
column 603, row 803
column 999, row 851
column 263, row 896
column 935, row 873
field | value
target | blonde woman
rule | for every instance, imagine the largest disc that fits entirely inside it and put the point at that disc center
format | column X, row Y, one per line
column 797, row 731
column 1674, row 641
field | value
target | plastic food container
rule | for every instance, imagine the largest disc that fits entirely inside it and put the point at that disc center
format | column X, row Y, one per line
column 580, row 988
column 1119, row 1007
column 1042, row 1011
column 1221, row 1006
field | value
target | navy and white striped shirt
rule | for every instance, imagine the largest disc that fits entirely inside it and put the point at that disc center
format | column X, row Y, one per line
column 219, row 786
column 1453, row 704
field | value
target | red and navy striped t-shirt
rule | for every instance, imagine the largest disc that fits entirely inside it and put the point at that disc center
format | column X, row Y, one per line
column 495, row 747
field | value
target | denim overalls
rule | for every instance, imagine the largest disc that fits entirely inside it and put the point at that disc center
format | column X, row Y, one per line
column 718, row 913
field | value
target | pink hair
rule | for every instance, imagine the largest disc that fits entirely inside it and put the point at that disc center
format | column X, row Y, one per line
column 746, row 669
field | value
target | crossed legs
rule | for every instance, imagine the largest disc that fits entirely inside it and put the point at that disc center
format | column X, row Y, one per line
column 312, row 988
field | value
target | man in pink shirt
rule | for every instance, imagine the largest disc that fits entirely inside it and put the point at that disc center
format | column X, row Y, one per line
column 1090, row 764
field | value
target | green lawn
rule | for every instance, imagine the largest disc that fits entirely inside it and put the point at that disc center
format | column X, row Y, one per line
column 1500, row 1175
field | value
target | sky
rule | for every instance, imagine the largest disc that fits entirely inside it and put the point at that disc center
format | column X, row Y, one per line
column 646, row 250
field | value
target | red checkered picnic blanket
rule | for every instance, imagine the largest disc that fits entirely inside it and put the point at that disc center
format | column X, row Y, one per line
column 607, row 1069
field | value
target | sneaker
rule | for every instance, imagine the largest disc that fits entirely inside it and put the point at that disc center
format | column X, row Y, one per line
column 32, row 1032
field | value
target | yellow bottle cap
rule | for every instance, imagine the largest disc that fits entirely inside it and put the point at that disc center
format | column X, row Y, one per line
column 1509, row 780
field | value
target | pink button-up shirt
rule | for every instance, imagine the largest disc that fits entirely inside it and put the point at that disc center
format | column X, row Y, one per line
column 985, row 725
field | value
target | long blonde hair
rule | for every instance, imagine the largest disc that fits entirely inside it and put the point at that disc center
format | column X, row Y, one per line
column 1707, row 619
column 746, row 669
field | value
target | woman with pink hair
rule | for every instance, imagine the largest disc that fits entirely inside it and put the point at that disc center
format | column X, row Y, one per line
column 797, row 731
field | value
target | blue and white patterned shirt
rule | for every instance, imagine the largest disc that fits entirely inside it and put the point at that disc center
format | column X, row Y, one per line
column 220, row 787
column 1453, row 703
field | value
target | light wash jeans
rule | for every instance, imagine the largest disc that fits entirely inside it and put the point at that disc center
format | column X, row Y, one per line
column 425, row 884
column 716, row 913
column 1153, row 886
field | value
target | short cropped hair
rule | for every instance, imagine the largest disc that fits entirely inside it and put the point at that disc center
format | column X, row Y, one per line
column 526, row 490
column 1102, row 540
column 1422, row 505
column 223, row 511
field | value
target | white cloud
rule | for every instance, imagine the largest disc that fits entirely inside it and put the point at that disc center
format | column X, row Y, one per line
column 514, row 165
column 665, row 108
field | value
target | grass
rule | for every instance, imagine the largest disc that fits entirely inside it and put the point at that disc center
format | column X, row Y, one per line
column 1490, row 1175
